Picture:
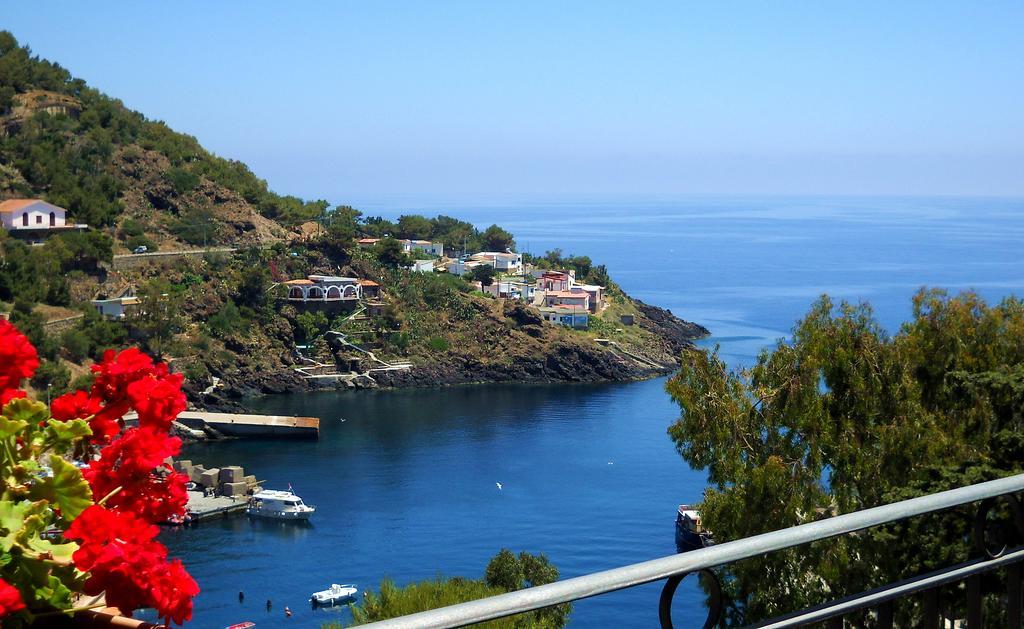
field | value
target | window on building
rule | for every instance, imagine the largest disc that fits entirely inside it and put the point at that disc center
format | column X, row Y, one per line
column 39, row 219
column 53, row 219
column 24, row 219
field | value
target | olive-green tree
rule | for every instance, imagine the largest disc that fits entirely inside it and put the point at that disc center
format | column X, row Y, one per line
column 845, row 417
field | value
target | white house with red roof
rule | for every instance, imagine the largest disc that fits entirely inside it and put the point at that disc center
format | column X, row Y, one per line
column 572, row 299
column 34, row 215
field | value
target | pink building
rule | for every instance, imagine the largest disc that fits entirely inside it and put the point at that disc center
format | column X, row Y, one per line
column 579, row 300
column 554, row 281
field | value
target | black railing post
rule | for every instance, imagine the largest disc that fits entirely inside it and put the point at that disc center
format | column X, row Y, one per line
column 930, row 609
column 974, row 602
column 885, row 615
column 1013, row 596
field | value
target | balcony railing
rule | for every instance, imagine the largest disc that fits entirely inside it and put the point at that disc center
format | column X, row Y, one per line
column 674, row 568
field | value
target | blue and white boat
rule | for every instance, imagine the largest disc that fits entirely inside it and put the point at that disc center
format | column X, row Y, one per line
column 690, row 532
column 334, row 594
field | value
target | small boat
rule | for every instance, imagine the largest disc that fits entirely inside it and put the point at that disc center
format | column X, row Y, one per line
column 335, row 594
column 248, row 624
column 279, row 505
column 690, row 532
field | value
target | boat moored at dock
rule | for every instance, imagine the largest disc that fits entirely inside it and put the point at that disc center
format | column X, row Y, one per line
column 690, row 531
column 279, row 505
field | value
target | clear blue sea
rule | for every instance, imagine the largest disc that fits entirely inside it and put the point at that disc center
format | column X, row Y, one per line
column 405, row 485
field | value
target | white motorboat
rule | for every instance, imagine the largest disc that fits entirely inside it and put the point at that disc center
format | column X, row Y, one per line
column 279, row 505
column 335, row 594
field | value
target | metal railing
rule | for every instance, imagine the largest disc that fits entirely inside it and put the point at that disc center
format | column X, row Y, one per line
column 675, row 567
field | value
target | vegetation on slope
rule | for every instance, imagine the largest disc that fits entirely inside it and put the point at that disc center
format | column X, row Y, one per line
column 138, row 183
column 506, row 572
column 846, row 417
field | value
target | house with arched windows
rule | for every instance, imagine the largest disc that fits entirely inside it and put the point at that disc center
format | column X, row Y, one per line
column 34, row 217
column 324, row 288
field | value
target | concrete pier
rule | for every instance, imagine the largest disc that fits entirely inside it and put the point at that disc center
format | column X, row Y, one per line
column 246, row 425
column 239, row 425
column 202, row 507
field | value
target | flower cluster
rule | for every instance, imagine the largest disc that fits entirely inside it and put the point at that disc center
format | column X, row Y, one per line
column 120, row 552
column 130, row 481
column 10, row 599
column 18, row 360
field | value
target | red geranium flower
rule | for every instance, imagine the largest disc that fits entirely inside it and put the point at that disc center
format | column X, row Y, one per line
column 124, row 560
column 173, row 589
column 10, row 394
column 119, row 369
column 18, row 358
column 135, row 464
column 10, row 599
column 158, row 400
column 103, row 420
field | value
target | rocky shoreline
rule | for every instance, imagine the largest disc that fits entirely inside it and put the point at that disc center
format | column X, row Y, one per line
column 579, row 361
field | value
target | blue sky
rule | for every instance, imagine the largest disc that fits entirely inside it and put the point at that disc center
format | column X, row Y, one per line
column 485, row 101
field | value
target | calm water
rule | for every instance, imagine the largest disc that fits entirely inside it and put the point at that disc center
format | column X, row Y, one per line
column 404, row 482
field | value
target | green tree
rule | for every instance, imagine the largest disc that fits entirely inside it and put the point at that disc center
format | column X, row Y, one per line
column 506, row 572
column 51, row 379
column 197, row 227
column 227, row 320
column 414, row 226
column 483, row 273
column 845, row 417
column 497, row 239
column 76, row 344
column 253, row 286
column 389, row 252
column 158, row 315
column 311, row 325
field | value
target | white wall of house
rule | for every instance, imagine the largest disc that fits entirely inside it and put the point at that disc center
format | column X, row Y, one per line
column 433, row 248
column 35, row 216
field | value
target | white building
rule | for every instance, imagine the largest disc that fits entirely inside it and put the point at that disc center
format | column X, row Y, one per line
column 422, row 266
column 324, row 288
column 461, row 267
column 503, row 262
column 116, row 306
column 34, row 214
column 433, row 248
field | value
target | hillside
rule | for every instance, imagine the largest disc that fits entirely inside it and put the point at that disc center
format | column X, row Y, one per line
column 225, row 318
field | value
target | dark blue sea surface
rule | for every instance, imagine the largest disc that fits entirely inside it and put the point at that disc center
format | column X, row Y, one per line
column 405, row 481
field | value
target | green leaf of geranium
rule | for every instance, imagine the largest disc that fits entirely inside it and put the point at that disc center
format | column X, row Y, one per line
column 66, row 488
column 60, row 552
column 13, row 519
column 64, row 434
column 11, row 427
column 26, row 410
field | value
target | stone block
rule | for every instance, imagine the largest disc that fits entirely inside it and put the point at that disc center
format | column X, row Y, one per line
column 196, row 473
column 234, row 490
column 231, row 474
column 250, row 481
column 209, row 478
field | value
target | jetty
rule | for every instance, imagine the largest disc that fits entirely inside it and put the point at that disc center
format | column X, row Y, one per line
column 218, row 492
column 247, row 425
column 202, row 507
